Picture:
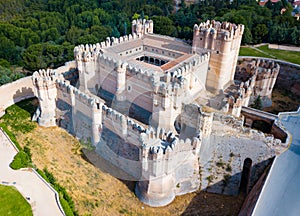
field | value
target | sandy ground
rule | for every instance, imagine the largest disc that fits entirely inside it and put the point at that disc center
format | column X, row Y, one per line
column 97, row 193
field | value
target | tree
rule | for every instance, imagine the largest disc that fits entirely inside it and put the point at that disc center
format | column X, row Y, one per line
column 257, row 103
column 87, row 39
column 135, row 16
column 8, row 50
column 100, row 32
column 259, row 33
column 50, row 34
column 247, row 36
column 164, row 25
column 46, row 55
column 73, row 34
column 6, row 75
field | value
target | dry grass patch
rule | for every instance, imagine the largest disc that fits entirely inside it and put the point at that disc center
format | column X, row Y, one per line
column 93, row 191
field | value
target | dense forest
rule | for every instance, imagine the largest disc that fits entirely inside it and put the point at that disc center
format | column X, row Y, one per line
column 42, row 33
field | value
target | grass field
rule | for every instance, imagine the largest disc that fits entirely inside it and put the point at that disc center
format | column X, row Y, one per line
column 248, row 51
column 13, row 203
column 264, row 51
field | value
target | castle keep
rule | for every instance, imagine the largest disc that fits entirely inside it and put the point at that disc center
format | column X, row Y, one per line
column 137, row 102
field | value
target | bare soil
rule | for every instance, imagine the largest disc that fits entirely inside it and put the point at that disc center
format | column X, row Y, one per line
column 283, row 101
column 97, row 193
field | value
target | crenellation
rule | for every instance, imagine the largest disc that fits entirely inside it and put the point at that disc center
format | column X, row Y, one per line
column 262, row 74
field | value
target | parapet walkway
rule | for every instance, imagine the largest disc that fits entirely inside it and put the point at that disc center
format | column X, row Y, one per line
column 38, row 193
column 281, row 193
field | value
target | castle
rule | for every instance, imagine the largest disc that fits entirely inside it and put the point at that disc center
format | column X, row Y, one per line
column 137, row 102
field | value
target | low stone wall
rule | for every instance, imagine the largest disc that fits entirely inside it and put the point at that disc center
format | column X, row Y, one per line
column 15, row 92
column 282, row 47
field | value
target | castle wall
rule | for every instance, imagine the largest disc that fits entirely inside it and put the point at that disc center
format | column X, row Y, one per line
column 103, row 74
column 265, row 72
column 197, row 76
column 170, row 167
column 14, row 92
column 139, row 91
column 119, row 142
column 114, row 135
column 67, row 67
column 78, row 113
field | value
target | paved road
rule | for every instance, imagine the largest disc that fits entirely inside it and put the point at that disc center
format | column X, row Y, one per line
column 42, row 198
column 281, row 192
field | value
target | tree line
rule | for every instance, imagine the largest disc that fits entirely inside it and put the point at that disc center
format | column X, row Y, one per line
column 42, row 33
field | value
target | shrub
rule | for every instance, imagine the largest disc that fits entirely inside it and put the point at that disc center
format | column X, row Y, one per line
column 68, row 211
column 220, row 163
column 228, row 168
column 27, row 151
column 209, row 178
column 21, row 160
column 65, row 200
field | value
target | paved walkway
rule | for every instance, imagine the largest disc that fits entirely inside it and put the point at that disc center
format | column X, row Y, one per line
column 29, row 184
column 281, row 192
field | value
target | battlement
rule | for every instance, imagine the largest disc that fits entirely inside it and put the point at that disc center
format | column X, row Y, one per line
column 142, row 26
column 64, row 86
column 86, row 99
column 187, row 66
column 89, row 52
column 267, row 69
column 121, row 121
column 44, row 76
column 174, row 81
column 240, row 96
column 263, row 73
column 93, row 53
column 142, row 73
column 215, row 29
column 264, row 69
column 244, row 90
column 158, row 143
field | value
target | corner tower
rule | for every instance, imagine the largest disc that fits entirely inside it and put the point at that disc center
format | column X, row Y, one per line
column 46, row 92
column 141, row 27
column 223, row 41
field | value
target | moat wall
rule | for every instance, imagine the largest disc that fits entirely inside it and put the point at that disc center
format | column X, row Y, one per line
column 14, row 92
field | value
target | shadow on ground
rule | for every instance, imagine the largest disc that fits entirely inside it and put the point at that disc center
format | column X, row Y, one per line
column 204, row 203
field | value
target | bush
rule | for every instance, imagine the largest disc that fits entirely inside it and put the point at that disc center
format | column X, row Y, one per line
column 21, row 160
column 65, row 200
column 68, row 211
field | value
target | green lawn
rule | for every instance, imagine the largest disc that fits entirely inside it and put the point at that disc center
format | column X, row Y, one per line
column 12, row 202
column 247, row 51
column 284, row 55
